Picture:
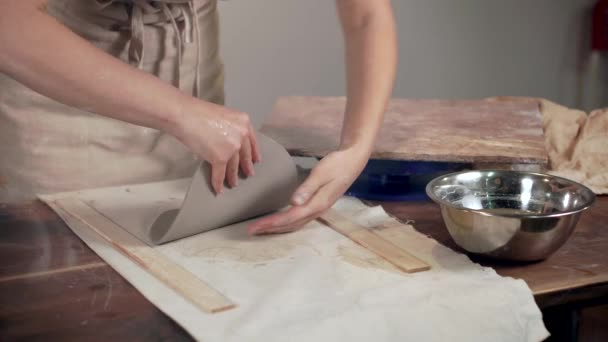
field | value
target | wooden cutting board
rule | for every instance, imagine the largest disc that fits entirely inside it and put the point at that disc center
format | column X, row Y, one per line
column 477, row 131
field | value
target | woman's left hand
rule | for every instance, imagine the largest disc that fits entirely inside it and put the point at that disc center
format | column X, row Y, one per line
column 327, row 182
column 371, row 59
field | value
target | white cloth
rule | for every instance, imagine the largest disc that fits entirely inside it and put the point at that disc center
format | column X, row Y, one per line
column 317, row 285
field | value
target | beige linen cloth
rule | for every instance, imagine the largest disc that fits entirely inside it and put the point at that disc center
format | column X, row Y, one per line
column 47, row 147
column 577, row 143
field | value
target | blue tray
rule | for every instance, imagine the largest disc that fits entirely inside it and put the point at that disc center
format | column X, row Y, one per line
column 398, row 180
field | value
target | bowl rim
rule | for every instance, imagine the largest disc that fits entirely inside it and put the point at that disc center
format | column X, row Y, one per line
column 439, row 201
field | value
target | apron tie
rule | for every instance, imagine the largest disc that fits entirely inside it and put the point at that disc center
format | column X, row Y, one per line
column 147, row 12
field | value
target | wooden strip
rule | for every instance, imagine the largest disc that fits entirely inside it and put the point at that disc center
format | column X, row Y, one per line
column 364, row 237
column 53, row 272
column 165, row 270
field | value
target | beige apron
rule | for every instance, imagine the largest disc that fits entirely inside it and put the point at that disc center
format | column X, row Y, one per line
column 47, row 147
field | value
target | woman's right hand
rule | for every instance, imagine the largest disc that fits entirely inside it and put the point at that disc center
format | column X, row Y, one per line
column 222, row 136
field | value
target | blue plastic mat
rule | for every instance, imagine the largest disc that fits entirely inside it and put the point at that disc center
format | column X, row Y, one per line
column 398, row 180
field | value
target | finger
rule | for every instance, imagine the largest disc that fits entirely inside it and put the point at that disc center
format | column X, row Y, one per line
column 279, row 219
column 281, row 230
column 295, row 216
column 297, row 224
column 256, row 156
column 290, row 227
column 311, row 185
column 232, row 171
column 218, row 172
column 246, row 158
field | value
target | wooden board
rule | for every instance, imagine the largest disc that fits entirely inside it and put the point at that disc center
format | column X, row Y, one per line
column 398, row 257
column 183, row 282
column 478, row 131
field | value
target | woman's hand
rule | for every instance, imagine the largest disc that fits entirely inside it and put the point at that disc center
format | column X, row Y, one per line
column 371, row 59
column 222, row 136
column 327, row 182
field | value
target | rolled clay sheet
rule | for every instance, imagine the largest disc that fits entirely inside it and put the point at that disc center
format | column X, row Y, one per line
column 275, row 180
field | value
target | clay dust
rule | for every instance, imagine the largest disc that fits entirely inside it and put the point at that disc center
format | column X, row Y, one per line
column 357, row 256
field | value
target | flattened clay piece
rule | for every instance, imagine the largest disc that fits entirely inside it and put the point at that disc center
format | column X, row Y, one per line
column 270, row 189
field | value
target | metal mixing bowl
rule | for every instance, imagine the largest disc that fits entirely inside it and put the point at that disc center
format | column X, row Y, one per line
column 509, row 215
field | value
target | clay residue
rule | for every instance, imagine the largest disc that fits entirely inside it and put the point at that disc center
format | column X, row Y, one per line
column 354, row 256
column 391, row 224
column 246, row 252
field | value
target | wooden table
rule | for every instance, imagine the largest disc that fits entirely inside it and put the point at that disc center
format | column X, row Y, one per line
column 418, row 129
column 52, row 286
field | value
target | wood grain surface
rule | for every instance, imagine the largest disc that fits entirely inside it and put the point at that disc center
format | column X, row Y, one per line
column 476, row 131
column 52, row 286
column 86, row 220
column 392, row 253
column 581, row 262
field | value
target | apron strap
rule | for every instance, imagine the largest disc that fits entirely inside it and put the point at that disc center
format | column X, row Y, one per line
column 145, row 12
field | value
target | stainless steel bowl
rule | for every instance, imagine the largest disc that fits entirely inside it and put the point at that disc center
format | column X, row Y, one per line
column 509, row 215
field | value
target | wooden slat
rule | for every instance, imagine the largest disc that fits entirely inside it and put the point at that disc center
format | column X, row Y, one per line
column 366, row 238
column 165, row 270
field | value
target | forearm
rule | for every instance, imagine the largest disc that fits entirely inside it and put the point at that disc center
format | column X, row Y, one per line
column 52, row 60
column 371, row 57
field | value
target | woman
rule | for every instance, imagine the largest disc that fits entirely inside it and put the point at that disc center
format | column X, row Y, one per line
column 104, row 92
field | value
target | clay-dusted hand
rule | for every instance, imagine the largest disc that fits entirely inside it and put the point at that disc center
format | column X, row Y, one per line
column 327, row 182
column 222, row 136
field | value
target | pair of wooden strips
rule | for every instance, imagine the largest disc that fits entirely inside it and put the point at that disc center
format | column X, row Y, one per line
column 83, row 219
